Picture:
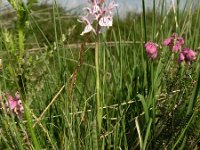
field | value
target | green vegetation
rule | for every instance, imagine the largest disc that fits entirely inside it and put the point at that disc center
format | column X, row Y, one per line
column 145, row 103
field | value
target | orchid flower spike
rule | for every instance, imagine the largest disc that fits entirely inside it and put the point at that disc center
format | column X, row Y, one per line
column 99, row 14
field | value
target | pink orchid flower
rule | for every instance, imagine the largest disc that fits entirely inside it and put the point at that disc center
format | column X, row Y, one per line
column 95, row 9
column 106, row 21
column 88, row 26
column 97, row 13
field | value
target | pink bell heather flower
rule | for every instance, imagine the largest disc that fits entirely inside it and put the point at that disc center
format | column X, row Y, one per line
column 151, row 50
column 181, row 58
column 187, row 55
column 174, row 42
column 99, row 14
column 15, row 105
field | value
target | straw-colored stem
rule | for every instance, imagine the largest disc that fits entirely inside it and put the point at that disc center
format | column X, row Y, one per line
column 21, row 45
column 98, row 102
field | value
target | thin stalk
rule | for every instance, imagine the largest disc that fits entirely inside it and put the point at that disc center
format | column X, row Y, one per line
column 99, row 111
column 144, row 21
column 21, row 74
column 195, row 94
column 154, row 20
column 21, row 45
column 31, row 129
column 153, row 95
column 177, row 10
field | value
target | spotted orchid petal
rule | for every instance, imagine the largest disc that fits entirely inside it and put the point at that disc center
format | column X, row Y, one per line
column 111, row 6
column 106, row 21
column 87, row 29
column 88, row 26
column 97, row 13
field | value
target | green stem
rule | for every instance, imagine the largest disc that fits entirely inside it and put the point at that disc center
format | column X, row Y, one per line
column 195, row 94
column 153, row 94
column 99, row 111
column 21, row 45
column 144, row 21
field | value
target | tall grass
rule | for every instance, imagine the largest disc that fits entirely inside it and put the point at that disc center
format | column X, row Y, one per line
column 145, row 104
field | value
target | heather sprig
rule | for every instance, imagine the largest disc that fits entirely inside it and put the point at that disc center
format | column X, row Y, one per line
column 187, row 55
column 13, row 105
column 175, row 44
column 151, row 50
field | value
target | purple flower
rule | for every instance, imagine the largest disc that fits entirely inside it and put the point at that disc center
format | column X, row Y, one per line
column 14, row 105
column 181, row 58
column 174, row 42
column 187, row 55
column 99, row 14
column 151, row 50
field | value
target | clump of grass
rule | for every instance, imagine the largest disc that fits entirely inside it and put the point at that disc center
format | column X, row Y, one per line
column 146, row 103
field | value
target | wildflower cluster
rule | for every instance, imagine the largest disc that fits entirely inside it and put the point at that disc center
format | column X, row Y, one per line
column 187, row 55
column 174, row 43
column 13, row 105
column 151, row 50
column 103, row 16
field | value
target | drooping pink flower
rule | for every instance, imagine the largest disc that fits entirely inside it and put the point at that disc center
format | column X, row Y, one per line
column 181, row 58
column 99, row 14
column 187, row 55
column 151, row 50
column 191, row 55
column 174, row 42
column 14, row 105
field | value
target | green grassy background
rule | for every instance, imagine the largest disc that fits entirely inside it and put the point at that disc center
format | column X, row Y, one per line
column 146, row 104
